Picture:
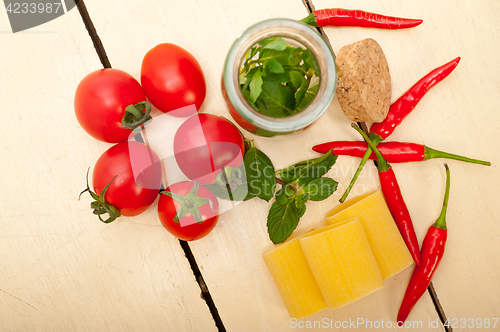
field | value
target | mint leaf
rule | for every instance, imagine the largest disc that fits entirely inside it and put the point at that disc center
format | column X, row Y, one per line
column 280, row 56
column 310, row 61
column 246, row 78
column 248, row 56
column 308, row 97
column 291, row 173
column 288, row 71
column 256, row 85
column 286, row 194
column 295, row 56
column 260, row 174
column 319, row 189
column 275, row 100
column 273, row 66
column 301, row 92
column 296, row 79
column 282, row 220
column 305, row 171
column 275, row 43
column 278, row 78
column 300, row 204
column 315, row 168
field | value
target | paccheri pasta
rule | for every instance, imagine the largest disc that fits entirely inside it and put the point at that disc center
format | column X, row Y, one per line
column 340, row 263
column 388, row 247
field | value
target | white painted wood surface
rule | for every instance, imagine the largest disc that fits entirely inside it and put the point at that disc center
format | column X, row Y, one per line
column 63, row 270
column 230, row 258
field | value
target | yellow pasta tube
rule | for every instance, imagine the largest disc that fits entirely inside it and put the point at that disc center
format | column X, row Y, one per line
column 388, row 246
column 342, row 262
column 294, row 280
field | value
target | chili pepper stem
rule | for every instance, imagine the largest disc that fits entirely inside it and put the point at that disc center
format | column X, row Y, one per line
column 375, row 139
column 441, row 220
column 383, row 165
column 310, row 20
column 431, row 153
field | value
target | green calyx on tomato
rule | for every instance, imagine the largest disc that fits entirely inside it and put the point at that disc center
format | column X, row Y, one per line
column 232, row 176
column 137, row 172
column 136, row 115
column 100, row 102
column 100, row 205
column 190, row 203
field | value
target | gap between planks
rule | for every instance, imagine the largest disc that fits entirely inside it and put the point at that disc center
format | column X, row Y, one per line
column 101, row 52
column 205, row 293
column 432, row 292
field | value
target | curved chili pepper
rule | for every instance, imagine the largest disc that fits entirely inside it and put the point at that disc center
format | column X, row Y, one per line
column 400, row 109
column 432, row 253
column 393, row 152
column 394, row 200
column 358, row 18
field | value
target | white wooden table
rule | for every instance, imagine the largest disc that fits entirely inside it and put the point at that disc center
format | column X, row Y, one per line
column 63, row 270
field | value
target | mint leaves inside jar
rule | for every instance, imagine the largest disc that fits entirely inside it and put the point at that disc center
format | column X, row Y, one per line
column 277, row 79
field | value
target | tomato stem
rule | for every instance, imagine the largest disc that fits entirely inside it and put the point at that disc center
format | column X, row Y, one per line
column 136, row 115
column 230, row 176
column 190, row 203
column 99, row 205
column 250, row 142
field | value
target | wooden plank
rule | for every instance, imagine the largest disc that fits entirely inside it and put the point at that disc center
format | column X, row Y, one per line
column 460, row 116
column 230, row 257
column 62, row 269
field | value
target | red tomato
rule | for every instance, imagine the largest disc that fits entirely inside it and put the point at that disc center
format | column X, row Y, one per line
column 204, row 144
column 172, row 79
column 187, row 228
column 100, row 102
column 138, row 177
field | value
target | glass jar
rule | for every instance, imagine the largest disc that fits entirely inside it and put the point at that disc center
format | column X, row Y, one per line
column 301, row 35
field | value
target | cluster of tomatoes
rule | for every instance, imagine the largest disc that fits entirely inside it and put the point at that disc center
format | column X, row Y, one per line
column 110, row 104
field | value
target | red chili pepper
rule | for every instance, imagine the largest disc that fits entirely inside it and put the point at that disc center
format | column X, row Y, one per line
column 393, row 152
column 432, row 252
column 357, row 18
column 400, row 109
column 394, row 200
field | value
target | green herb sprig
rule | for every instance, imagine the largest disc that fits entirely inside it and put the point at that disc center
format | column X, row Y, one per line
column 277, row 79
column 300, row 183
column 305, row 182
